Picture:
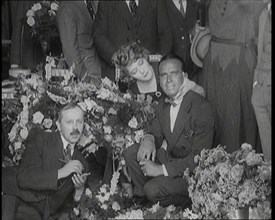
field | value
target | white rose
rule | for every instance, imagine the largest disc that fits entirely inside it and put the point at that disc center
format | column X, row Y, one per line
column 138, row 135
column 76, row 211
column 24, row 100
column 37, row 118
column 17, row 145
column 90, row 104
column 108, row 137
column 88, row 192
column 36, row 7
column 133, row 122
column 24, row 133
column 115, row 206
column 112, row 111
column 107, row 129
column 47, row 123
column 51, row 13
column 30, row 21
column 30, row 13
column 54, row 6
column 104, row 206
column 127, row 96
column 104, row 119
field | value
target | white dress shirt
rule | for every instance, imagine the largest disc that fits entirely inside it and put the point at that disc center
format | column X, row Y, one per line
column 65, row 144
column 128, row 2
column 177, row 4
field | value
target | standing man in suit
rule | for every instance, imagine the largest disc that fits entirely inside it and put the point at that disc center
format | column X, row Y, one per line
column 183, row 126
column 75, row 22
column 51, row 171
column 183, row 16
column 122, row 22
column 26, row 52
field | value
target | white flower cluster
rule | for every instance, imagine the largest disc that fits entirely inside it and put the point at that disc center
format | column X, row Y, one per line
column 31, row 13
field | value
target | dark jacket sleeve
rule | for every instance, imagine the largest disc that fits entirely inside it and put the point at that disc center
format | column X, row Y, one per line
column 31, row 174
column 203, row 137
column 164, row 30
column 67, row 26
column 103, row 43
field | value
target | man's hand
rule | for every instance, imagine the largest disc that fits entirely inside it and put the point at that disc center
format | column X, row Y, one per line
column 150, row 168
column 73, row 166
column 79, row 181
column 146, row 150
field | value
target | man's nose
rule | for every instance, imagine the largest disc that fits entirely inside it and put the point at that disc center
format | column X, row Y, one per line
column 169, row 77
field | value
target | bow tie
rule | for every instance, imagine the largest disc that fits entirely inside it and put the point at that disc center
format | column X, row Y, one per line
column 170, row 101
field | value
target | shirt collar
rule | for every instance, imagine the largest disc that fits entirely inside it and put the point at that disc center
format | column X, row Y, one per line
column 65, row 142
column 128, row 1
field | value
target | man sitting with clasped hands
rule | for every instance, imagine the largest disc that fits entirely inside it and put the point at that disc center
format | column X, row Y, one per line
column 183, row 126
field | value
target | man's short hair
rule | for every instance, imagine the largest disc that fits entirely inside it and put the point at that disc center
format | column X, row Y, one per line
column 69, row 105
column 171, row 56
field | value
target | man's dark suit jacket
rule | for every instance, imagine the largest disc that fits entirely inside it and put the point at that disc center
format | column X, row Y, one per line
column 36, row 178
column 193, row 131
column 181, row 28
column 115, row 26
column 27, row 48
column 75, row 28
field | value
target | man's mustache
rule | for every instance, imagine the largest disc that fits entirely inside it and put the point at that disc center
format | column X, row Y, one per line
column 75, row 132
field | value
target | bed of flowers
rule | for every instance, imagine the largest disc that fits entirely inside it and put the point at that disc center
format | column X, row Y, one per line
column 223, row 183
column 220, row 184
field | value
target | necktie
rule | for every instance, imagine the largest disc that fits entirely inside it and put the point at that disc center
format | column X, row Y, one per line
column 90, row 8
column 181, row 8
column 133, row 7
column 68, row 151
column 170, row 101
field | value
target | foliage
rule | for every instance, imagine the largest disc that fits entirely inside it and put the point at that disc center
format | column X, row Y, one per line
column 223, row 182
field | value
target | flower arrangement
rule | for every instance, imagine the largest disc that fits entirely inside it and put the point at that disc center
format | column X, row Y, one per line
column 223, row 182
column 42, row 19
column 113, row 119
column 111, row 202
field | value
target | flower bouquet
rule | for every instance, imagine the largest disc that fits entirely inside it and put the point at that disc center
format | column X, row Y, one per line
column 113, row 119
column 42, row 19
column 223, row 182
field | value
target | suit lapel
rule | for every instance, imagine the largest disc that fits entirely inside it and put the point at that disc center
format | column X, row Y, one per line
column 122, row 10
column 191, row 12
column 57, row 150
column 178, row 16
column 181, row 120
column 165, row 120
column 142, row 9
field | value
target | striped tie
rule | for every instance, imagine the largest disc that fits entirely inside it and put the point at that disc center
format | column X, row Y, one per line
column 67, row 152
column 181, row 8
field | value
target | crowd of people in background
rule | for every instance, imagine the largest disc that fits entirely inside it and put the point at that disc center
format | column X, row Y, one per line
column 215, row 60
